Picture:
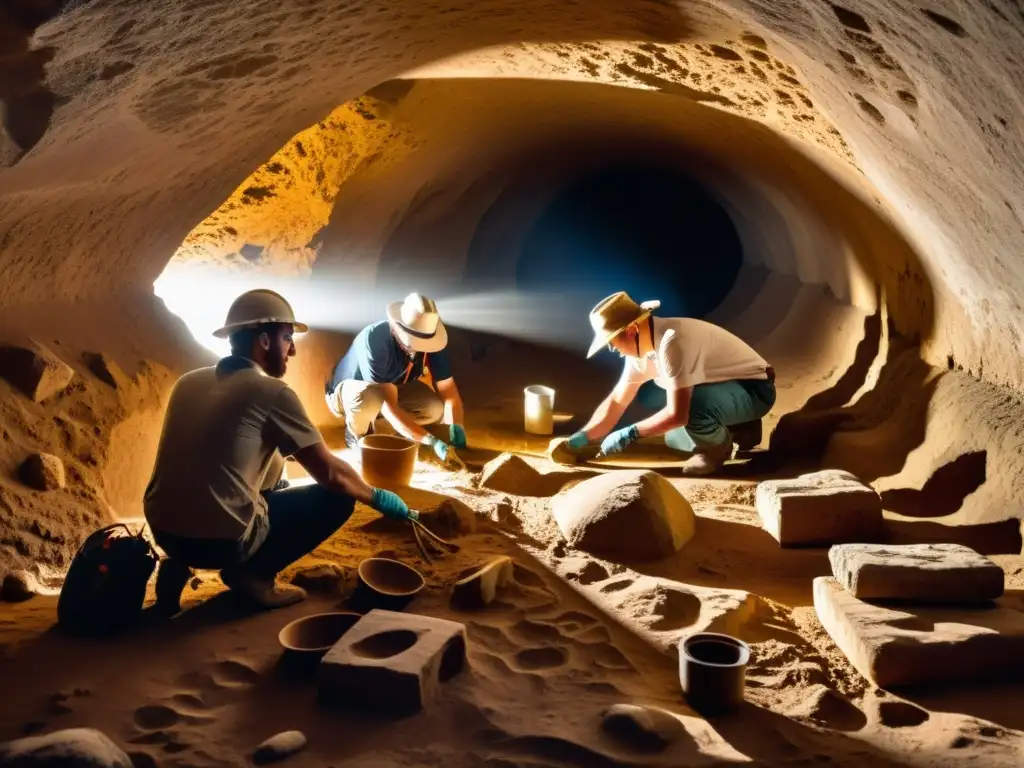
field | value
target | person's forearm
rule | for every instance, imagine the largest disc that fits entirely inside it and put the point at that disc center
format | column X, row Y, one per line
column 344, row 479
column 453, row 407
column 606, row 415
column 406, row 425
column 660, row 423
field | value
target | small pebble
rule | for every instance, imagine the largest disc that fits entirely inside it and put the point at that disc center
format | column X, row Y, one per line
column 279, row 747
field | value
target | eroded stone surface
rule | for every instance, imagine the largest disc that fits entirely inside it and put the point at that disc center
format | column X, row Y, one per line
column 80, row 747
column 37, row 372
column 44, row 472
column 634, row 515
column 827, row 507
column 928, row 573
column 923, row 645
column 392, row 661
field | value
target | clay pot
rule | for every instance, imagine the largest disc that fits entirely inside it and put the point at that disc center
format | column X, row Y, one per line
column 386, row 584
column 712, row 671
column 388, row 461
column 315, row 635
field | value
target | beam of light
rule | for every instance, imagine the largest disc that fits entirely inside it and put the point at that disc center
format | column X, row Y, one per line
column 201, row 296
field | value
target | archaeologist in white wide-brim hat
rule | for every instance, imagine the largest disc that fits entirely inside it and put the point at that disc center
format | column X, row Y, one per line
column 380, row 374
column 214, row 500
column 713, row 382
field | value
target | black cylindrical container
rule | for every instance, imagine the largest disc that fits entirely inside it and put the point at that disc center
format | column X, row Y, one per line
column 712, row 671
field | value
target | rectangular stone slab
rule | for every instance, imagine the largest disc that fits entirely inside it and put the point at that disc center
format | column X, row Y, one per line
column 923, row 645
column 827, row 507
column 394, row 662
column 924, row 573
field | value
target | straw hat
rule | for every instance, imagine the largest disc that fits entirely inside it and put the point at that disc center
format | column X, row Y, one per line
column 615, row 314
column 255, row 308
column 416, row 323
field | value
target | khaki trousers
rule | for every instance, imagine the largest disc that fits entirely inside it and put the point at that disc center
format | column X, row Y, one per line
column 361, row 403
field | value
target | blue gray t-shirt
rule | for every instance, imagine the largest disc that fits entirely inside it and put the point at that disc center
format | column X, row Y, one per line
column 376, row 356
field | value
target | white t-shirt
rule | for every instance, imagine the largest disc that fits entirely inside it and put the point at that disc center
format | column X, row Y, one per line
column 688, row 352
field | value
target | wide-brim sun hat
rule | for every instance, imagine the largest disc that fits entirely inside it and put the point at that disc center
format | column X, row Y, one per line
column 255, row 308
column 614, row 314
column 417, row 324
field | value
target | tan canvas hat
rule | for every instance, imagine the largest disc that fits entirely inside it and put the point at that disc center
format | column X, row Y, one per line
column 613, row 315
column 417, row 324
column 255, row 307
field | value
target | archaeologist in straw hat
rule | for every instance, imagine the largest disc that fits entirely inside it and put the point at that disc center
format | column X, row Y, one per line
column 713, row 381
column 225, row 433
column 380, row 372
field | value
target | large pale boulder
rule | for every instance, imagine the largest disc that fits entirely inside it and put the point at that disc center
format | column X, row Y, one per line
column 922, row 645
column 827, row 507
column 84, row 747
column 633, row 515
column 922, row 573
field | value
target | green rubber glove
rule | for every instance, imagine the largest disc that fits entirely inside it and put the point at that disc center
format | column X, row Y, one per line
column 440, row 448
column 457, row 436
column 390, row 504
column 577, row 441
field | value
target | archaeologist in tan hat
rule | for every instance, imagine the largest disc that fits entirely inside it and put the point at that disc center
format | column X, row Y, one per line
column 226, row 429
column 712, row 380
column 380, row 372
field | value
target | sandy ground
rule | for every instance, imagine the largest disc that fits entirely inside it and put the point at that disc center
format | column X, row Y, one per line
column 571, row 637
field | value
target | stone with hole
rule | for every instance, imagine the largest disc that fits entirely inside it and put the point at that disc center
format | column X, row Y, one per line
column 80, row 747
column 36, row 372
column 921, row 573
column 279, row 747
column 392, row 662
column 44, row 472
column 479, row 586
column 632, row 515
column 895, row 645
column 827, row 507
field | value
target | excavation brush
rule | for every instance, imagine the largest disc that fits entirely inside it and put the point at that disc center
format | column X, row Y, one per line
column 430, row 545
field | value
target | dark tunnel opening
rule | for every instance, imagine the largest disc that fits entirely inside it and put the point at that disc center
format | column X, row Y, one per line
column 652, row 232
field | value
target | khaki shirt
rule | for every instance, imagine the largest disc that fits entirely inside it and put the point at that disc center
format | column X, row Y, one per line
column 222, row 427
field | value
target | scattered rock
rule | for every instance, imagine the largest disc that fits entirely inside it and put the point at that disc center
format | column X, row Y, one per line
column 924, row 573
column 79, row 747
column 479, row 586
column 103, row 368
column 323, row 578
column 513, row 475
column 44, row 472
column 901, row 714
column 641, row 727
column 38, row 373
column 18, row 586
column 829, row 709
column 923, row 645
column 395, row 662
column 827, row 507
column 635, row 515
column 279, row 747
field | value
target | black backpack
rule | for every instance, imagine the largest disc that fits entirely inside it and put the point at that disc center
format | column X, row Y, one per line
column 106, row 585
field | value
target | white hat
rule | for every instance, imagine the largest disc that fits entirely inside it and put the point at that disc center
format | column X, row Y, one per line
column 416, row 323
column 614, row 314
column 257, row 307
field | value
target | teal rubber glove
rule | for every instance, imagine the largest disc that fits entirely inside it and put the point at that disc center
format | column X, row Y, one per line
column 457, row 436
column 619, row 440
column 390, row 505
column 577, row 441
column 440, row 448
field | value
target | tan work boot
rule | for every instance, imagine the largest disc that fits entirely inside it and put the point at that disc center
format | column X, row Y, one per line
column 263, row 592
column 707, row 460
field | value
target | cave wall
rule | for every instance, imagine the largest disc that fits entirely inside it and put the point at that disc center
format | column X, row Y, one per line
column 127, row 125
